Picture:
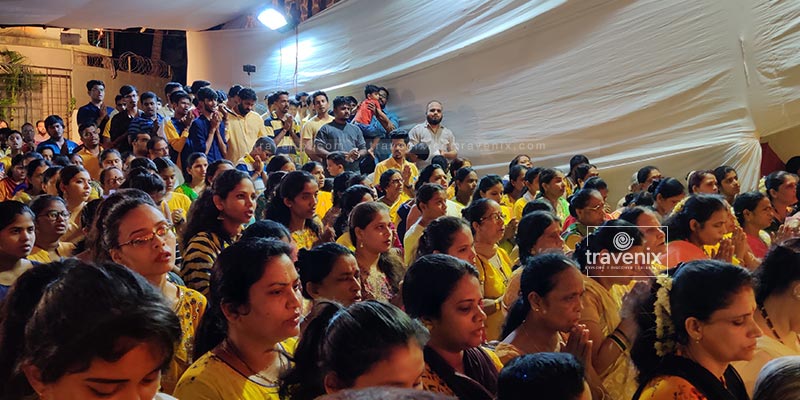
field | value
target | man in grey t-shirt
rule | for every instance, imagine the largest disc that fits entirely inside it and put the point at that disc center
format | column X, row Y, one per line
column 341, row 136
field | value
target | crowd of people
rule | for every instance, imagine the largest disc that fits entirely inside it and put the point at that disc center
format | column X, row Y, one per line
column 195, row 249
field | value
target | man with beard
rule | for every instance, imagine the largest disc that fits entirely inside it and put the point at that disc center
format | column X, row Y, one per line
column 207, row 133
column 282, row 127
column 244, row 125
column 439, row 139
column 398, row 162
column 319, row 101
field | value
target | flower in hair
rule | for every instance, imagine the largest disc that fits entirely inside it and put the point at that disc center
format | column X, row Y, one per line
column 664, row 344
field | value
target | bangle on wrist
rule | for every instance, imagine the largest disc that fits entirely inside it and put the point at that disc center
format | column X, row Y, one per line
column 618, row 341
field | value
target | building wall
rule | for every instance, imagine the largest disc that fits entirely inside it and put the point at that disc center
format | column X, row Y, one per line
column 43, row 48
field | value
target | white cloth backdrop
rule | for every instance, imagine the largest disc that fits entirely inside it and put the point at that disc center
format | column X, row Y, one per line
column 681, row 85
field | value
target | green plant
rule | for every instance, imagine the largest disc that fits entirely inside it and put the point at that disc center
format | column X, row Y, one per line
column 17, row 80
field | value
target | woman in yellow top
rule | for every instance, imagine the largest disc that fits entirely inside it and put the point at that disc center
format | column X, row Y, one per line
column 137, row 235
column 391, row 183
column 177, row 202
column 365, row 345
column 452, row 310
column 432, row 201
column 603, row 257
column 531, row 182
column 108, row 327
column 493, row 264
column 51, row 218
column 692, row 326
column 245, row 337
column 465, row 181
column 294, row 206
column 74, row 188
column 350, row 198
column 515, row 187
column 491, row 187
column 17, row 235
column 324, row 199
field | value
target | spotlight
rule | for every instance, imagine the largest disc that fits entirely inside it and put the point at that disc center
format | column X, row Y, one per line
column 272, row 19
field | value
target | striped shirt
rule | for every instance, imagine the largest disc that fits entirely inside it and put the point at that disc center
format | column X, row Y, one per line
column 198, row 259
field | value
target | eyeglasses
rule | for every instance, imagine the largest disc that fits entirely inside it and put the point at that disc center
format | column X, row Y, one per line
column 595, row 208
column 161, row 231
column 53, row 215
column 497, row 217
column 398, row 180
column 117, row 180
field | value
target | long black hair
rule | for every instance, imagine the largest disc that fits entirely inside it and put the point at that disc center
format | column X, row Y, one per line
column 423, row 300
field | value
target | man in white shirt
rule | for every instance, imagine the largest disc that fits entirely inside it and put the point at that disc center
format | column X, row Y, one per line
column 439, row 139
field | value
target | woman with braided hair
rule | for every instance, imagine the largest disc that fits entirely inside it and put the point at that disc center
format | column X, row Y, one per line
column 696, row 321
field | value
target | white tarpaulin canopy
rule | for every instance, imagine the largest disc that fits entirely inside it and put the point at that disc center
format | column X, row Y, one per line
column 679, row 84
column 116, row 14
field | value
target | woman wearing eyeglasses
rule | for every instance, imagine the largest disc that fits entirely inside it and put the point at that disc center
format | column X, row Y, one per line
column 485, row 217
column 138, row 236
column 586, row 205
column 51, row 219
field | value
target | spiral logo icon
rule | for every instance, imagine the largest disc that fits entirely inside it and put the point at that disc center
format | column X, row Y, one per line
column 622, row 241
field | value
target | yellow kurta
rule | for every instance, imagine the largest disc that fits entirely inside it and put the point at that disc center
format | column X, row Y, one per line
column 304, row 238
column 602, row 307
column 190, row 308
column 494, row 274
column 242, row 133
column 211, row 378
column 179, row 201
column 390, row 163
column 91, row 164
column 324, row 203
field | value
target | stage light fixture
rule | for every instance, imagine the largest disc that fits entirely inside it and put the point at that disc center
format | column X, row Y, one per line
column 272, row 19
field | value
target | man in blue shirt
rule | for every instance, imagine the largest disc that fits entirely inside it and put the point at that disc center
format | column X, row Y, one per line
column 207, row 133
column 149, row 121
column 383, row 122
column 60, row 145
column 95, row 111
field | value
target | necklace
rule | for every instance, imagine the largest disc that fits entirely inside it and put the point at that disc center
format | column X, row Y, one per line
column 769, row 324
column 231, row 348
